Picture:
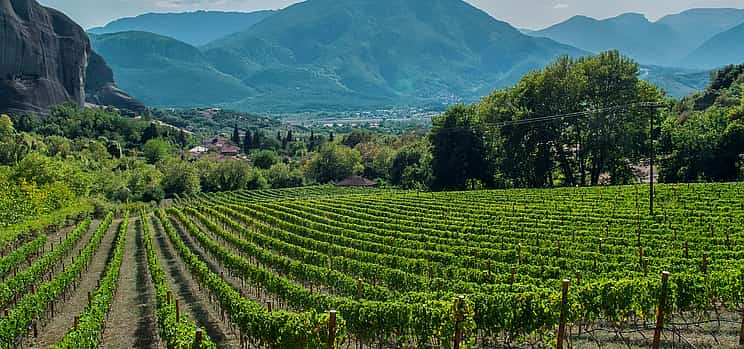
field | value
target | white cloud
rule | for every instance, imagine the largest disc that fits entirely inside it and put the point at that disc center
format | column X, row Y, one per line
column 560, row 6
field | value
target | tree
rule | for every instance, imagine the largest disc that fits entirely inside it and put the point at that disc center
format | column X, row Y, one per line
column 333, row 162
column 264, row 159
column 155, row 150
column 247, row 142
column 231, row 175
column 6, row 128
column 376, row 158
column 578, row 149
column 358, row 136
column 258, row 139
column 236, row 135
column 703, row 140
column 311, row 141
column 330, row 137
column 411, row 166
column 282, row 176
column 284, row 141
column 290, row 137
column 144, row 184
column 179, row 177
column 614, row 138
column 458, row 150
column 183, row 140
column 151, row 132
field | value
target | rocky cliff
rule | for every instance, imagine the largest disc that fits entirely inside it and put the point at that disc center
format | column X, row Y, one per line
column 100, row 88
column 44, row 60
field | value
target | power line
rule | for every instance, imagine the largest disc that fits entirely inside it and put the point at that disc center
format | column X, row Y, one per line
column 543, row 119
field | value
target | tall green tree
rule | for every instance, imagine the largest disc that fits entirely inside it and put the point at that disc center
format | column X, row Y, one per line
column 459, row 155
column 247, row 142
column 179, row 177
column 333, row 162
column 151, row 132
column 236, row 135
column 6, row 128
column 155, row 150
column 601, row 131
column 264, row 159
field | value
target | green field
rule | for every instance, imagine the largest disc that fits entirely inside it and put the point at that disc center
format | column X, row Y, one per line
column 263, row 269
column 394, row 263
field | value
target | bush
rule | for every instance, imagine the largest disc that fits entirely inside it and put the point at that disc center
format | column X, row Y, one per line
column 264, row 159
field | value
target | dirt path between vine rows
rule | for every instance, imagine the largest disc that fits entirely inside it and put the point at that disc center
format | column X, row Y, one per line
column 194, row 303
column 76, row 300
column 132, row 322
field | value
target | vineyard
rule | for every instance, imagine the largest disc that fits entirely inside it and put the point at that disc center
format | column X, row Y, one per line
column 324, row 267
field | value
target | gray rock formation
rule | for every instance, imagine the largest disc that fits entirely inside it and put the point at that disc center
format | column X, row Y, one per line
column 44, row 56
column 100, row 88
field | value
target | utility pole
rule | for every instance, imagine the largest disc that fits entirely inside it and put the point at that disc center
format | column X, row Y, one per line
column 651, row 170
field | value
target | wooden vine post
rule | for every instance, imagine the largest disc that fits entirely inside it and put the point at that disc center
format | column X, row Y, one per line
column 458, row 320
column 178, row 312
column 198, row 339
column 564, row 306
column 332, row 330
column 660, row 309
column 741, row 330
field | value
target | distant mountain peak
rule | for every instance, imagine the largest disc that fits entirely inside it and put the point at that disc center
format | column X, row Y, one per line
column 345, row 55
column 196, row 28
column 664, row 42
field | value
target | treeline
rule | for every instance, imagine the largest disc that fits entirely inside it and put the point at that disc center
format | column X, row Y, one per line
column 48, row 161
column 504, row 141
column 703, row 138
column 507, row 140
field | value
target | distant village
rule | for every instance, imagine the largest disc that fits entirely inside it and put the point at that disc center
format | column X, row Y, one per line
column 216, row 148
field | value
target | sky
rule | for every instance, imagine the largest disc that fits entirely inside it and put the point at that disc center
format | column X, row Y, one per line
column 528, row 14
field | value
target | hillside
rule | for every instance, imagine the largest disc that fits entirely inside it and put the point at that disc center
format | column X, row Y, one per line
column 355, row 54
column 162, row 71
column 632, row 34
column 676, row 82
column 697, row 26
column 663, row 43
column 196, row 28
column 722, row 49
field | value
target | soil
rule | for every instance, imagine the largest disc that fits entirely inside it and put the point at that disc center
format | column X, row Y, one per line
column 132, row 321
column 76, row 300
column 193, row 302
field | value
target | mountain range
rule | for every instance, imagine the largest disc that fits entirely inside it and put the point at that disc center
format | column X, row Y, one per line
column 696, row 39
column 341, row 55
column 195, row 28
column 722, row 49
column 335, row 55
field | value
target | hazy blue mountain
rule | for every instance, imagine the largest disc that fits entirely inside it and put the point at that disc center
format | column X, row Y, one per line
column 347, row 55
column 632, row 34
column 665, row 42
column 162, row 71
column 697, row 26
column 721, row 50
column 195, row 28
column 341, row 53
column 676, row 82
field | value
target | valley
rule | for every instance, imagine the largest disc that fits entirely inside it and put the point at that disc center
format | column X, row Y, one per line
column 371, row 174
